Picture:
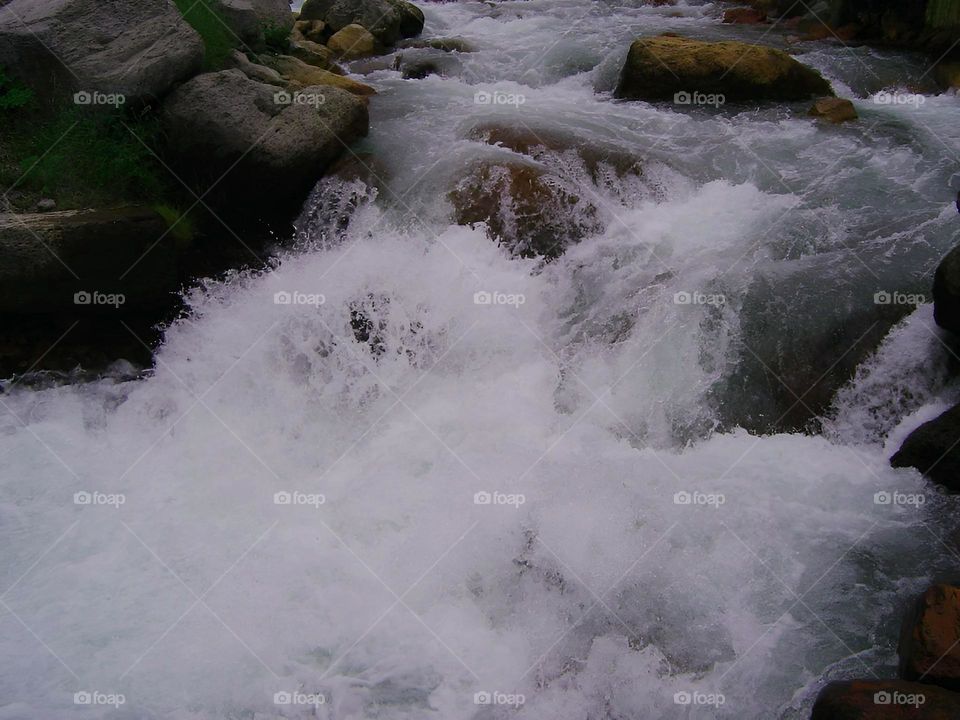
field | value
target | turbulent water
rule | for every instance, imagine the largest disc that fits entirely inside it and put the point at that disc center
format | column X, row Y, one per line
column 489, row 501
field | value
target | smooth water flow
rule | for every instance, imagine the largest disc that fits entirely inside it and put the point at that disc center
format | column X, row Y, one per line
column 406, row 475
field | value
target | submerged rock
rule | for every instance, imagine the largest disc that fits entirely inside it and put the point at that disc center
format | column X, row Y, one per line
column 77, row 260
column 929, row 646
column 262, row 144
column 136, row 48
column 885, row 700
column 946, row 291
column 659, row 68
column 934, row 449
column 444, row 44
column 833, row 109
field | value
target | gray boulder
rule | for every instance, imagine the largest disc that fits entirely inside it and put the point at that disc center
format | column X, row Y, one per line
column 387, row 20
column 248, row 17
column 103, row 261
column 259, row 145
column 137, row 48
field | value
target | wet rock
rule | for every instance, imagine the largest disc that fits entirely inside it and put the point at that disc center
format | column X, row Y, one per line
column 46, row 205
column 835, row 110
column 660, row 67
column 300, row 75
column 929, row 646
column 744, row 16
column 946, row 292
column 247, row 18
column 314, row 54
column 137, row 48
column 419, row 69
column 526, row 209
column 353, row 42
column 885, row 700
column 267, row 147
column 387, row 20
column 86, row 261
column 934, row 449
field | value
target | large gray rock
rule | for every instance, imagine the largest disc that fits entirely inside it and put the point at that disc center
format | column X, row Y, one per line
column 387, row 20
column 255, row 142
column 137, row 48
column 47, row 259
column 248, row 17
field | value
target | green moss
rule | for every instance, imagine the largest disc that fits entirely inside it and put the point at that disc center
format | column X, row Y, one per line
column 277, row 38
column 13, row 95
column 218, row 40
column 183, row 227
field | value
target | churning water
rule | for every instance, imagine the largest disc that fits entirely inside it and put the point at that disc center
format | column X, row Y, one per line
column 446, row 482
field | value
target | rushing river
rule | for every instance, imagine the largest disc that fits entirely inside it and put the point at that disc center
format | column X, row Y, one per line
column 492, row 498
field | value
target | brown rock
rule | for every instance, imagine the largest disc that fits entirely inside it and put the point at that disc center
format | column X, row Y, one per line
column 353, row 42
column 744, row 16
column 885, row 700
column 314, row 54
column 300, row 75
column 835, row 110
column 948, row 75
column 930, row 639
column 313, row 30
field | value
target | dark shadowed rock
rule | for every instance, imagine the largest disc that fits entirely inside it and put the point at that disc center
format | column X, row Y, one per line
column 70, row 260
column 387, row 20
column 247, row 18
column 885, row 700
column 744, row 16
column 946, row 292
column 934, row 449
column 137, row 48
column 660, row 67
column 929, row 646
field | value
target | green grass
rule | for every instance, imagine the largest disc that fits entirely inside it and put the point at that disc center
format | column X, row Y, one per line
column 13, row 95
column 183, row 226
column 204, row 16
column 277, row 38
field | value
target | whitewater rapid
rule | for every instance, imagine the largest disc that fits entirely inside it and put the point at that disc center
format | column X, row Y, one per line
column 511, row 486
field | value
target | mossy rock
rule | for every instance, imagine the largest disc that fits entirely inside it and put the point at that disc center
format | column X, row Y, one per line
column 659, row 68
